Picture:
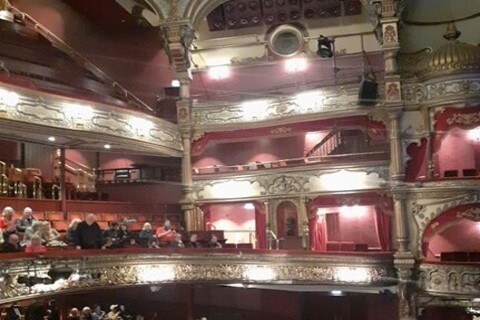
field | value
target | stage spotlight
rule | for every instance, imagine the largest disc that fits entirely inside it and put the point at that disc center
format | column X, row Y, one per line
column 325, row 47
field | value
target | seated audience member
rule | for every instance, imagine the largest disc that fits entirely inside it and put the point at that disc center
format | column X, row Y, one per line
column 165, row 233
column 74, row 314
column 86, row 314
column 176, row 241
column 12, row 244
column 25, row 220
column 124, row 314
column 70, row 234
column 7, row 224
column 213, row 243
column 114, row 313
column 124, row 234
column 51, row 236
column 35, row 229
column 153, row 243
column 98, row 313
column 35, row 245
column 88, row 234
column 112, row 236
column 2, row 239
column 193, row 243
column 145, row 235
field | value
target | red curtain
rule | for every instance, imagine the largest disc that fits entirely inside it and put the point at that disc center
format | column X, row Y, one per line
column 260, row 224
column 383, row 229
column 315, row 227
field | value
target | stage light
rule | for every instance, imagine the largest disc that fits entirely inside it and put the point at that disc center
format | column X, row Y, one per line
column 296, row 64
column 219, row 72
column 325, row 47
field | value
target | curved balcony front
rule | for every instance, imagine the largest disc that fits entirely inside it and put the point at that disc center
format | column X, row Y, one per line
column 64, row 271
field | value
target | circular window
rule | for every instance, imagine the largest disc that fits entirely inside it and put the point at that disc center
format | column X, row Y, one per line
column 286, row 41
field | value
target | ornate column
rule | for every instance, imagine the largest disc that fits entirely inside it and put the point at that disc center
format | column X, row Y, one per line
column 388, row 15
column 177, row 36
column 429, row 167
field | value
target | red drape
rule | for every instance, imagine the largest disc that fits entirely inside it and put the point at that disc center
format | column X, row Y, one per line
column 260, row 225
column 383, row 229
column 315, row 227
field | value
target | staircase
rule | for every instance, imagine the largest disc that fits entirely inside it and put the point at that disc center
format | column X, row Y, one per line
column 339, row 142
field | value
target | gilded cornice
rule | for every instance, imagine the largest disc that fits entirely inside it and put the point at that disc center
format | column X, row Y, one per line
column 154, row 267
column 449, row 279
column 332, row 102
column 46, row 113
column 442, row 91
column 293, row 182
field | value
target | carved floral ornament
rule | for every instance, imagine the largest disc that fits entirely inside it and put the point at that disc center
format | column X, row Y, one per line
column 449, row 279
column 25, row 278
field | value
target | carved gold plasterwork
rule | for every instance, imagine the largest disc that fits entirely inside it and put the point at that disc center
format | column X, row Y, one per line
column 110, row 270
column 51, row 113
column 472, row 214
column 449, row 279
column 441, row 91
column 464, row 119
column 332, row 101
column 277, row 182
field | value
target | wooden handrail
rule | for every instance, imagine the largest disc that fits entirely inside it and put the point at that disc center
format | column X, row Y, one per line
column 61, row 45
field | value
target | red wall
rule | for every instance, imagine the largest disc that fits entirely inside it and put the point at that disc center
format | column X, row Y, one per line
column 143, row 193
column 262, row 149
column 462, row 235
column 457, row 152
column 145, row 69
column 9, row 151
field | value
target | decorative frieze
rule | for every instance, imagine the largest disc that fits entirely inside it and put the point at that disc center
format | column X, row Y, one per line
column 23, row 278
column 327, row 102
column 278, row 182
column 438, row 279
column 52, row 112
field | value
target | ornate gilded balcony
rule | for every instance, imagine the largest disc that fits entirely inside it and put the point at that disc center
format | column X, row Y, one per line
column 24, row 276
column 450, row 278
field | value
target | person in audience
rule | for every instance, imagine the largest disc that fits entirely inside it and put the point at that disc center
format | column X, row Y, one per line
column 176, row 241
column 70, row 234
column 35, row 229
column 50, row 236
column 112, row 236
column 114, row 313
column 35, row 245
column 124, row 234
column 153, row 243
column 86, row 314
column 74, row 314
column 88, row 234
column 98, row 313
column 2, row 239
column 165, row 233
column 12, row 244
column 193, row 243
column 213, row 243
column 145, row 235
column 124, row 314
column 6, row 222
column 25, row 220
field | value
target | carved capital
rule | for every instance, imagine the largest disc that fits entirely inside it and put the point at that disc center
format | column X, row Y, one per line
column 177, row 38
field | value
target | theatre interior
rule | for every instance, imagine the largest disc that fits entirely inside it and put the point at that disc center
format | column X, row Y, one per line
column 329, row 149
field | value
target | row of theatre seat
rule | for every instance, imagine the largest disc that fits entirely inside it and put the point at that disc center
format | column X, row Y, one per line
column 137, row 219
column 346, row 246
column 465, row 173
column 460, row 256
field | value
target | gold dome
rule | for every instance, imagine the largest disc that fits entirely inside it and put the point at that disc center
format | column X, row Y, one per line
column 454, row 57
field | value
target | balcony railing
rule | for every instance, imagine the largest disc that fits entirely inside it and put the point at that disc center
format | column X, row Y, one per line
column 25, row 276
column 261, row 165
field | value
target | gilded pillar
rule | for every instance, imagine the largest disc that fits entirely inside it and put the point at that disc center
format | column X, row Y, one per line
column 429, row 167
column 183, row 118
column 397, row 172
column 177, row 36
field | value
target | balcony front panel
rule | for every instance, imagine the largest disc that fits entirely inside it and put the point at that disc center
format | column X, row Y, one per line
column 450, row 278
column 28, row 276
column 302, row 180
column 31, row 115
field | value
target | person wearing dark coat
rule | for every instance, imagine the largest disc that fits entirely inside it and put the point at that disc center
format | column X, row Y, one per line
column 88, row 234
